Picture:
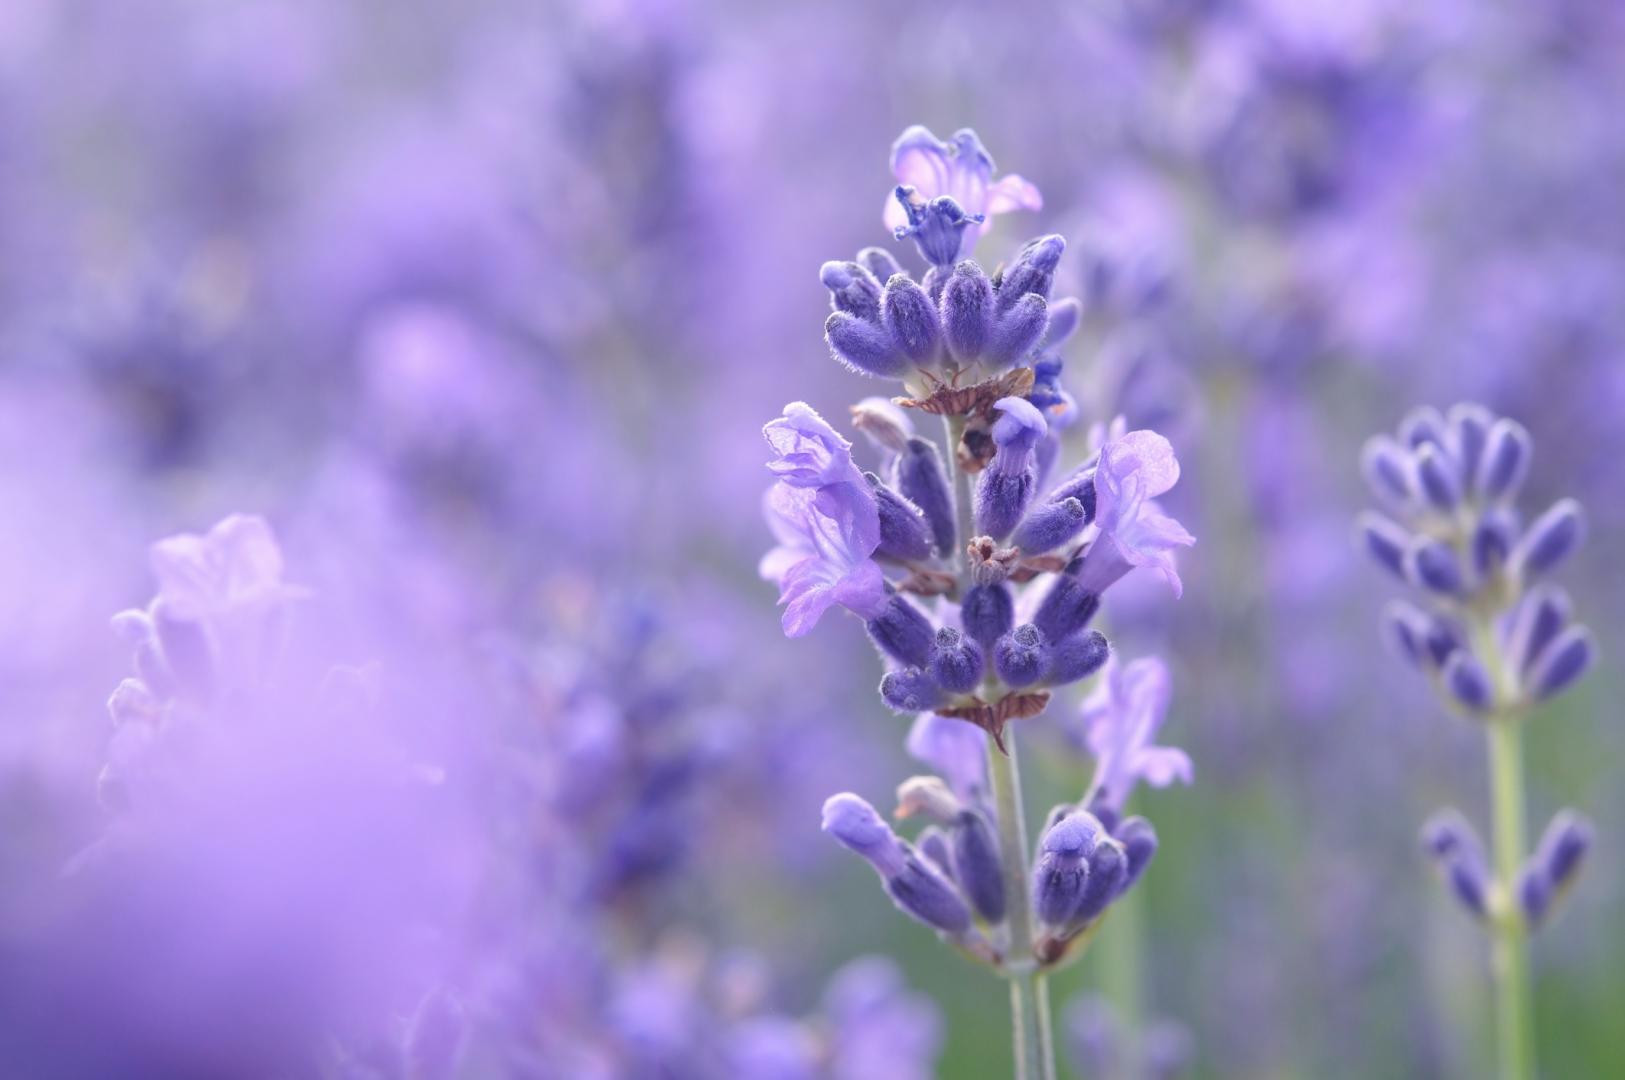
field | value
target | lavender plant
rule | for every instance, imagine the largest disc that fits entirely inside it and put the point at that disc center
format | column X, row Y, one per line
column 976, row 565
column 1496, row 640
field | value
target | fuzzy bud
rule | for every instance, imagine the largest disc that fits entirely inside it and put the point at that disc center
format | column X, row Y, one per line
column 987, row 613
column 1022, row 656
column 922, row 481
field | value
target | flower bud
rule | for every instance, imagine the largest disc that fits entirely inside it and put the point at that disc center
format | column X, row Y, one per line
column 1455, row 849
column 1541, row 615
column 956, row 661
column 1061, row 869
column 1022, row 656
column 863, row 346
column 977, row 866
column 1067, row 607
column 1081, row 486
column 1065, row 316
column 1139, row 842
column 1432, row 565
column 852, row 289
column 1468, row 682
column 1438, row 477
column 1006, row 486
column 1506, row 460
column 1563, row 846
column 1049, row 526
column 929, row 796
column 1384, row 540
column 1077, row 658
column 921, row 479
column 1550, row 539
column 1017, row 332
column 987, row 613
column 967, row 312
column 933, row 844
column 1493, row 538
column 885, row 425
column 915, row 886
column 1469, row 430
column 879, row 262
column 1561, row 664
column 922, row 891
column 1108, row 873
column 904, row 534
column 1388, row 469
column 1031, row 272
column 1422, row 426
column 910, row 317
column 902, row 632
column 910, row 690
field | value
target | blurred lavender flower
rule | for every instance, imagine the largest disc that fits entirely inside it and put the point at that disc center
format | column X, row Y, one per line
column 1495, row 643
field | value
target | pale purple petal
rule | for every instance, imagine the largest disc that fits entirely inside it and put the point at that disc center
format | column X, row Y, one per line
column 957, row 750
column 1010, row 193
column 1160, row 766
column 807, row 451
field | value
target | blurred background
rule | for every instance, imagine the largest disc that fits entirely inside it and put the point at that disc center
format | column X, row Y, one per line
column 482, row 308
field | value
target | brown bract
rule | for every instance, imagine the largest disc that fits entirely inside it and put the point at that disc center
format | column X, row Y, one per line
column 947, row 397
column 1017, row 705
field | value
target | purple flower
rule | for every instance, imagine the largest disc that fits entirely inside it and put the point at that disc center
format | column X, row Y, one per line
column 1133, row 531
column 823, row 514
column 962, row 170
column 808, row 453
column 1118, row 723
column 234, row 566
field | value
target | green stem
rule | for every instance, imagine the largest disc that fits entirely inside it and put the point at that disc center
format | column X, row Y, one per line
column 1514, row 999
column 1029, row 994
column 1515, row 1022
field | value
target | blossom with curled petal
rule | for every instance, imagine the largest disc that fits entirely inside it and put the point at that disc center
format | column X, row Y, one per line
column 824, row 517
column 1118, row 723
column 807, row 451
column 234, row 566
column 1132, row 530
column 961, row 169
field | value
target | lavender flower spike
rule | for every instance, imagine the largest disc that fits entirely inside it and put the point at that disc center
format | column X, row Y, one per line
column 1132, row 530
column 1493, row 644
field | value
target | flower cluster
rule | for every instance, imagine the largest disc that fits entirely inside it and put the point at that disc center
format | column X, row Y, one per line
column 1485, row 625
column 977, row 564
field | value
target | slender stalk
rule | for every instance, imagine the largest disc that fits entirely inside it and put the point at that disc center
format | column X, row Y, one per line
column 1029, row 1005
column 1514, row 999
column 1033, row 1044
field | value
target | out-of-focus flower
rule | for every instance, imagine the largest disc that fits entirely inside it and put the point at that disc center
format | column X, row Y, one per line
column 1118, row 725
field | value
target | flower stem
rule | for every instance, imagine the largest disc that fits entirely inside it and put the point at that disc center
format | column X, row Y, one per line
column 1514, row 1000
column 1029, row 992
column 1515, row 1021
